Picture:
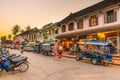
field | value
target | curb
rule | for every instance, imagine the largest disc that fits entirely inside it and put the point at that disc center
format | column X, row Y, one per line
column 73, row 56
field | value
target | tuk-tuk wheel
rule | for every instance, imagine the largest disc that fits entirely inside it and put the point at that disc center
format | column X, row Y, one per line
column 106, row 64
column 78, row 58
column 94, row 61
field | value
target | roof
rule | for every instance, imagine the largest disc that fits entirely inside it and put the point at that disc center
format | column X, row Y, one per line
column 48, row 25
column 93, row 8
column 83, row 32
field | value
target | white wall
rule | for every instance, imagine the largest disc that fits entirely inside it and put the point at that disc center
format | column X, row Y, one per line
column 100, row 22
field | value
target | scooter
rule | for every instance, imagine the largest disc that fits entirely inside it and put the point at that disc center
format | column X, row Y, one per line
column 9, row 64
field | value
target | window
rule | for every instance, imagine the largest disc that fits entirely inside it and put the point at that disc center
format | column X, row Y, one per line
column 56, row 31
column 63, row 28
column 80, row 24
column 93, row 21
column 110, row 16
column 70, row 26
column 49, row 32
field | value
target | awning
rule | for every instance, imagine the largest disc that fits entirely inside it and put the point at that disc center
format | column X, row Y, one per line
column 83, row 32
column 94, row 42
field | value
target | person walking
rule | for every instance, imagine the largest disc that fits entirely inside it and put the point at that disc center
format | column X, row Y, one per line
column 22, row 49
column 55, row 50
column 60, row 50
column 111, row 47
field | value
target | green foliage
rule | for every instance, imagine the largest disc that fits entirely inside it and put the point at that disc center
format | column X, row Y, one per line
column 28, row 28
column 3, row 39
column 9, row 37
column 22, row 31
column 9, row 41
column 15, row 29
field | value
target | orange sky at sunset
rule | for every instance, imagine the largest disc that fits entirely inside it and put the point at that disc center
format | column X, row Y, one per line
column 36, row 12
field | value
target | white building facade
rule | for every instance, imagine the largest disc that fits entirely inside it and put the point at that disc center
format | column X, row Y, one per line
column 100, row 22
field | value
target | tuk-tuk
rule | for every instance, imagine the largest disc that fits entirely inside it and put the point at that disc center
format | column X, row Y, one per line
column 47, row 48
column 97, row 51
column 37, row 48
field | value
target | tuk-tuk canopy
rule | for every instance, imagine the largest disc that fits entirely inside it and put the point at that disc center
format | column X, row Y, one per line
column 94, row 42
column 48, row 43
column 32, row 43
column 23, row 43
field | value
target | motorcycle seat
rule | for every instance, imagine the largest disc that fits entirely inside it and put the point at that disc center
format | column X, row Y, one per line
column 11, row 55
column 19, row 59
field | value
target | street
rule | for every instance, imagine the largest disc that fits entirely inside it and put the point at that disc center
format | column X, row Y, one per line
column 47, row 68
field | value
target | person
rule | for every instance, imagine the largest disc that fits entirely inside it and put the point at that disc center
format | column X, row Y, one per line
column 75, row 46
column 71, row 50
column 111, row 46
column 78, row 49
column 0, row 56
column 22, row 49
column 60, row 50
column 54, row 49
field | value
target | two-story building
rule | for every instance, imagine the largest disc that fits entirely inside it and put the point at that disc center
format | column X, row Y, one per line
column 99, row 22
column 48, row 32
column 31, row 35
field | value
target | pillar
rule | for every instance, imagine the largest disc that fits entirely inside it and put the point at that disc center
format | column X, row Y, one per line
column 118, row 43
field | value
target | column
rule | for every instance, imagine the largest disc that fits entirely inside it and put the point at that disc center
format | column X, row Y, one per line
column 118, row 43
column 75, row 25
column 66, row 27
column 60, row 30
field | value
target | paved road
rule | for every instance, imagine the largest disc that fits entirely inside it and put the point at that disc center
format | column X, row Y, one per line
column 47, row 68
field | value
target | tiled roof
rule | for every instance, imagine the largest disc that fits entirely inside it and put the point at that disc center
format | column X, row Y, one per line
column 93, row 8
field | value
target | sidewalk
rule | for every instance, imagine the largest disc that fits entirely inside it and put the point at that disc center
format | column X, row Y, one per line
column 116, row 58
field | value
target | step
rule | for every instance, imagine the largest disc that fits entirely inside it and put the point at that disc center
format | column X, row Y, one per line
column 116, row 58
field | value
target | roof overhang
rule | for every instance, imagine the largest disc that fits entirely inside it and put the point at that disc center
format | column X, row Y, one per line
column 83, row 32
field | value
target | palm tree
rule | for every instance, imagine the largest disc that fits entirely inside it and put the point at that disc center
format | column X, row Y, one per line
column 22, row 31
column 15, row 29
column 27, row 28
column 9, row 37
column 3, row 40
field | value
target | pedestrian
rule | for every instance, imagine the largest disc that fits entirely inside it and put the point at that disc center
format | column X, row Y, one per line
column 22, row 49
column 75, row 46
column 55, row 50
column 0, row 56
column 60, row 50
column 111, row 46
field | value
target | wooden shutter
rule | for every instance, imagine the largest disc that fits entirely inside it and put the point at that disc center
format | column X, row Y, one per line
column 78, row 24
column 90, row 22
column 96, row 20
column 115, row 15
column 105, row 17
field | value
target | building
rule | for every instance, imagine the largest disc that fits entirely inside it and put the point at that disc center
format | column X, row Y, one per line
column 31, row 35
column 97, row 22
column 48, row 32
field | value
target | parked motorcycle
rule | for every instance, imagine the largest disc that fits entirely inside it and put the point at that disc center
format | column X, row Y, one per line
column 8, row 63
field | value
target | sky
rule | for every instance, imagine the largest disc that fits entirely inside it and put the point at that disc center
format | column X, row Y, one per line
column 37, row 13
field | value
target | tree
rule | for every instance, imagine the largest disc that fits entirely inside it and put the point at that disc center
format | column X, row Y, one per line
column 3, row 40
column 22, row 31
column 9, row 37
column 27, row 28
column 15, row 29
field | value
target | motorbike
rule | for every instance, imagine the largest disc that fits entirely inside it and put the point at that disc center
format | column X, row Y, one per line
column 12, row 62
